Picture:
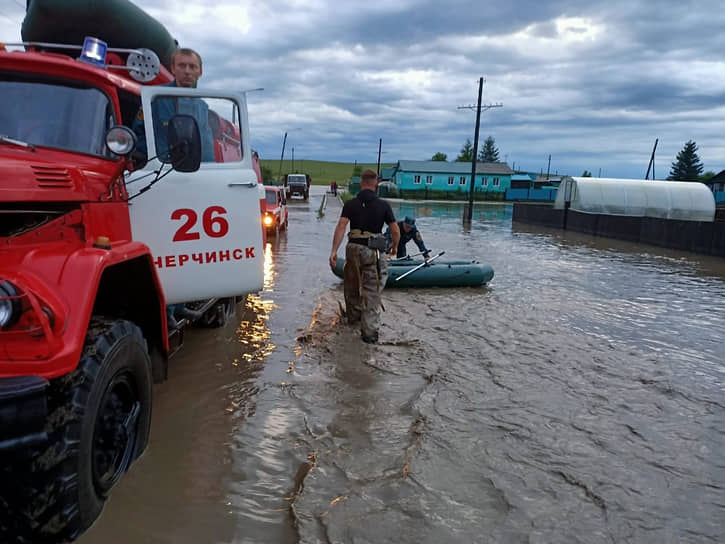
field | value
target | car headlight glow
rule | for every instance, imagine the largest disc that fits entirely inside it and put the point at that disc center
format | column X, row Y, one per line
column 268, row 220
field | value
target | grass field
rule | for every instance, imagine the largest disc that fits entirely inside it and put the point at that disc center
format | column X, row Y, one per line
column 321, row 172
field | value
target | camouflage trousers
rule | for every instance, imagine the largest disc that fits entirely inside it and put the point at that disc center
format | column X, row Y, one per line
column 365, row 277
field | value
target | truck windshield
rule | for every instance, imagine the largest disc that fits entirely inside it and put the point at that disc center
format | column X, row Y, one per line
column 54, row 114
column 272, row 197
column 297, row 179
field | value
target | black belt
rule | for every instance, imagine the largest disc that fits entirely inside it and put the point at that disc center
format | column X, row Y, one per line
column 361, row 241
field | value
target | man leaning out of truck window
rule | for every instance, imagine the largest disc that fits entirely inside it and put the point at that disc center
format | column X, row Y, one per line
column 186, row 67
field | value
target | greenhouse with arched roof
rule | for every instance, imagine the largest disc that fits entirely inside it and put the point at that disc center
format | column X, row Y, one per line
column 683, row 200
column 673, row 214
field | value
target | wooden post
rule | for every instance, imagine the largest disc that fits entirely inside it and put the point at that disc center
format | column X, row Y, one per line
column 380, row 147
column 469, row 214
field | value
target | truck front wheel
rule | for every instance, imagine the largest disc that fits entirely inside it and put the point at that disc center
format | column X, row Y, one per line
column 99, row 417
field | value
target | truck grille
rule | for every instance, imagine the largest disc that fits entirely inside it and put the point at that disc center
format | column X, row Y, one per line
column 52, row 177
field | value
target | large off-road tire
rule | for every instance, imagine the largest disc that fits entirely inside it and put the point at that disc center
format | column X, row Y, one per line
column 98, row 422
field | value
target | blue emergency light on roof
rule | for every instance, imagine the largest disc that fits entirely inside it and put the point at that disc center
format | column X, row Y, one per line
column 94, row 51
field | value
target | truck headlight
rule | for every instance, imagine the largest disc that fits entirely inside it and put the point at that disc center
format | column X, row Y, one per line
column 10, row 305
column 268, row 220
column 120, row 140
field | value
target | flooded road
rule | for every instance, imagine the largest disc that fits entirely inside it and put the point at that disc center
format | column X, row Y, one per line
column 580, row 397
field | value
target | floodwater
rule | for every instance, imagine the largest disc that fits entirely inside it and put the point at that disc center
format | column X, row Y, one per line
column 580, row 397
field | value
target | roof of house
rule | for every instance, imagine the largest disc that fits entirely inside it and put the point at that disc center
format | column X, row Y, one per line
column 717, row 178
column 444, row 167
column 387, row 173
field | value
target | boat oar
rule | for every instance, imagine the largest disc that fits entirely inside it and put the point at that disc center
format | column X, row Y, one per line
column 409, row 272
column 407, row 257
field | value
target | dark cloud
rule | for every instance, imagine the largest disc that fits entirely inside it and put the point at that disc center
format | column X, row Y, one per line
column 591, row 83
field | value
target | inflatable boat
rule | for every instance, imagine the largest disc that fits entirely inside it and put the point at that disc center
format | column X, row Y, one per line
column 120, row 23
column 434, row 274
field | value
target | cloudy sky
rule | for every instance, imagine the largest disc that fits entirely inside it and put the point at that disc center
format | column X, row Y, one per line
column 592, row 84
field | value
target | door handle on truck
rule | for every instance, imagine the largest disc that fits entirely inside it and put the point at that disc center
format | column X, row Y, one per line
column 247, row 184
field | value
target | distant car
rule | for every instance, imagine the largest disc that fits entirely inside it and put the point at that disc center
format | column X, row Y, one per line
column 275, row 214
column 298, row 185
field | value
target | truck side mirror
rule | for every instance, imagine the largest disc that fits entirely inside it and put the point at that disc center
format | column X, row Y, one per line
column 184, row 143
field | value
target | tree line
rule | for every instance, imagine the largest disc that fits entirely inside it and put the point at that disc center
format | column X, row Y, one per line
column 687, row 166
column 489, row 152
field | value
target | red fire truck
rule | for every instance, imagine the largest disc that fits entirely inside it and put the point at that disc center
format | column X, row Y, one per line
column 95, row 246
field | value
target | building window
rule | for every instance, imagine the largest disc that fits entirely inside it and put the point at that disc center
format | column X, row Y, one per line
column 416, row 180
column 429, row 180
column 484, row 182
column 462, row 180
column 450, row 180
column 496, row 182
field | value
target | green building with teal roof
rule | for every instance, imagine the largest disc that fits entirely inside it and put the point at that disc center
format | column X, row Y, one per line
column 451, row 178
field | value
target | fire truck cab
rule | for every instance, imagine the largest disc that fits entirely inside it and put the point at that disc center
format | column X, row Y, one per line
column 95, row 244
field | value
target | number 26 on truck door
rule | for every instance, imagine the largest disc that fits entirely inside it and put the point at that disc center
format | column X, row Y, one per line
column 213, row 223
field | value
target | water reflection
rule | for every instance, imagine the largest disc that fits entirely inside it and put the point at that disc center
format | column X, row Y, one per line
column 262, row 465
column 482, row 212
column 179, row 490
column 253, row 331
column 652, row 257
column 563, row 403
column 268, row 267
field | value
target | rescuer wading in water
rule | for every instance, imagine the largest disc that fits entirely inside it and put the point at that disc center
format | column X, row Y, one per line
column 365, row 272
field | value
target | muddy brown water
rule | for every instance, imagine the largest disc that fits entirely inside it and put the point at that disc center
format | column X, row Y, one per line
column 580, row 397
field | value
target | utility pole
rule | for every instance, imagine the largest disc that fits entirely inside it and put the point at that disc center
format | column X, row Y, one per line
column 380, row 147
column 548, row 168
column 469, row 214
column 282, row 157
column 652, row 161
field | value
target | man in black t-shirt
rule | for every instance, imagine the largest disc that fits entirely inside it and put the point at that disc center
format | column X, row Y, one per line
column 364, row 271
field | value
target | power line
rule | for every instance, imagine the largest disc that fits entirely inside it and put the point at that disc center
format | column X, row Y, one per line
column 483, row 106
column 479, row 106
